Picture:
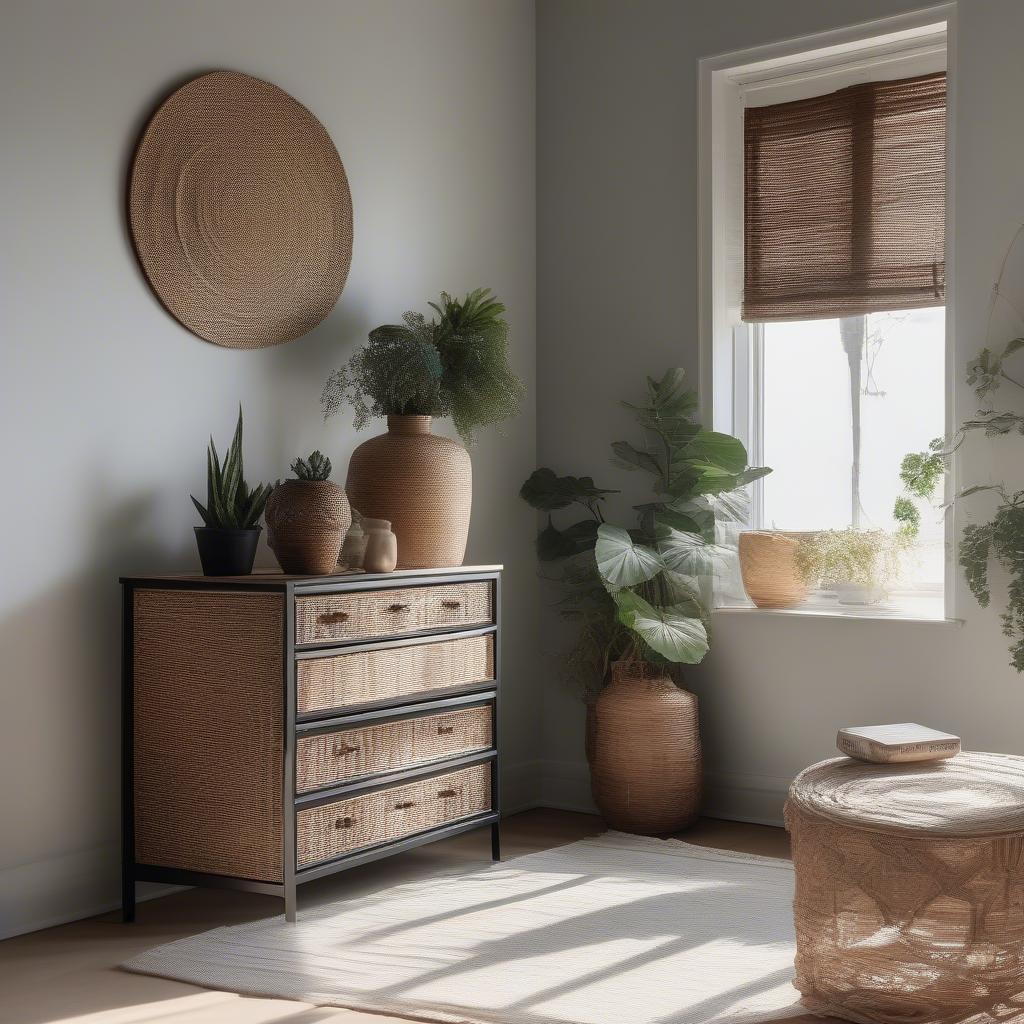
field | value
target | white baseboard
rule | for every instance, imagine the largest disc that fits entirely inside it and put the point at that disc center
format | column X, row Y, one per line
column 733, row 796
column 758, row 799
column 565, row 785
column 66, row 888
column 520, row 786
column 87, row 882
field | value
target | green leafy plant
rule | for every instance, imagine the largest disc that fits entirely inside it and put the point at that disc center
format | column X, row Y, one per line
column 920, row 473
column 230, row 504
column 644, row 593
column 316, row 467
column 478, row 386
column 908, row 515
column 454, row 364
column 866, row 558
column 1001, row 539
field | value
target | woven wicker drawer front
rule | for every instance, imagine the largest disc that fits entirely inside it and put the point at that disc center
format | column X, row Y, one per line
column 363, row 677
column 368, row 614
column 331, row 758
column 345, row 826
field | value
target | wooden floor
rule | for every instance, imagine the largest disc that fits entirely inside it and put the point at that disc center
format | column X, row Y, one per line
column 68, row 974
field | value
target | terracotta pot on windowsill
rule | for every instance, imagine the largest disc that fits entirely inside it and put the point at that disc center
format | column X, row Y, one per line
column 771, row 577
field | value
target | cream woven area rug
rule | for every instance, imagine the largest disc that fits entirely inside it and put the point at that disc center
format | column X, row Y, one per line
column 614, row 930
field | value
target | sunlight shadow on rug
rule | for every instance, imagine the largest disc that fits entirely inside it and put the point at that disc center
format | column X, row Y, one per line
column 617, row 928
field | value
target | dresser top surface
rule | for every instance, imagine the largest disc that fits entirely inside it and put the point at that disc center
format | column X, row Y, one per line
column 273, row 579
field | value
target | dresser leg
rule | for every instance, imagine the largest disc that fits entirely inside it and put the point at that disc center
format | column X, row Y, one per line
column 290, row 905
column 127, row 897
column 495, row 841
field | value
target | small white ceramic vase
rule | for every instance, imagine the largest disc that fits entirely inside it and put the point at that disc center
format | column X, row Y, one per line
column 353, row 551
column 381, row 546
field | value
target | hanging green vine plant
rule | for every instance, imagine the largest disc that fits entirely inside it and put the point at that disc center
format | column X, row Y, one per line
column 1001, row 539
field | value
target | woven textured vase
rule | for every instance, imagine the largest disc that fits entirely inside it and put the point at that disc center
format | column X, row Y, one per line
column 420, row 482
column 768, row 565
column 646, row 766
column 306, row 525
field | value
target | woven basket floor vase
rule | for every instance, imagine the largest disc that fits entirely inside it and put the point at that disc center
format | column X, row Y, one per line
column 422, row 484
column 909, row 900
column 646, row 768
column 306, row 525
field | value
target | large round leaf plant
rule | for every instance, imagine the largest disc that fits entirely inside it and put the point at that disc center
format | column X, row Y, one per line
column 644, row 593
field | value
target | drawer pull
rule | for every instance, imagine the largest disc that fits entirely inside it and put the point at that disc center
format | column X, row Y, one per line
column 451, row 604
column 340, row 750
column 444, row 794
column 344, row 822
column 329, row 618
column 405, row 805
column 445, row 730
column 398, row 607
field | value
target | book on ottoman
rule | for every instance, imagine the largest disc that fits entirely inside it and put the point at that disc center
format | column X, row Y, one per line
column 893, row 744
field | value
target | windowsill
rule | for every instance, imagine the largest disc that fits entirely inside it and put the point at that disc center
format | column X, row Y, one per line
column 919, row 607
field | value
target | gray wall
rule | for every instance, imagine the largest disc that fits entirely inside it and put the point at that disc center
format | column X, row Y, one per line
column 617, row 298
column 106, row 403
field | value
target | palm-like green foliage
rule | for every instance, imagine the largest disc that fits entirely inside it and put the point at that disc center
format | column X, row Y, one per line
column 478, row 386
column 316, row 467
column 230, row 504
column 656, row 576
column 454, row 365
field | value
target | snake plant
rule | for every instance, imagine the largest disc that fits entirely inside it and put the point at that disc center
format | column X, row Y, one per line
column 230, row 504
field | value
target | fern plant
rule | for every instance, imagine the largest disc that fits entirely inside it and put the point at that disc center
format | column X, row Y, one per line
column 316, row 467
column 397, row 373
column 230, row 503
column 477, row 384
column 454, row 364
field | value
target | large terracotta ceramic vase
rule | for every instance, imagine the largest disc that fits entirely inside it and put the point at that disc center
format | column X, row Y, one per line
column 306, row 525
column 646, row 767
column 422, row 484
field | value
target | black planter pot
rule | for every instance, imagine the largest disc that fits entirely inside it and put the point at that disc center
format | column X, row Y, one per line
column 227, row 552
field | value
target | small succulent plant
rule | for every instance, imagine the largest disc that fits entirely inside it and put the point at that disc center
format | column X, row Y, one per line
column 316, row 467
column 230, row 505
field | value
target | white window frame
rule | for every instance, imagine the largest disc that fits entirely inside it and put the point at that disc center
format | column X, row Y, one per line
column 730, row 351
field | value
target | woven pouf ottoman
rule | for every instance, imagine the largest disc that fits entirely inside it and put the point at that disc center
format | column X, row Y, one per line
column 909, row 901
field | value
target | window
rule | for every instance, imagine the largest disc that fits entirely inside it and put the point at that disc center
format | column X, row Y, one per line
column 823, row 208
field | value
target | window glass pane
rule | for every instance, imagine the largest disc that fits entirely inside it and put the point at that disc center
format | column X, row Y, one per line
column 894, row 369
column 806, row 427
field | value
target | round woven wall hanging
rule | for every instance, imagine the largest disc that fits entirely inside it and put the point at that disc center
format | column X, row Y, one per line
column 240, row 212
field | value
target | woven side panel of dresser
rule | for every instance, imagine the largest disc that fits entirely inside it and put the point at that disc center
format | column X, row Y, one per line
column 208, row 731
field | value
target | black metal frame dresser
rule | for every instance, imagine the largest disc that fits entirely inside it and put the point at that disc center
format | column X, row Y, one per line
column 277, row 729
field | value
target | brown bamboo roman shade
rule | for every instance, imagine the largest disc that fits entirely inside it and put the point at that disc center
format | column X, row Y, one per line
column 845, row 202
